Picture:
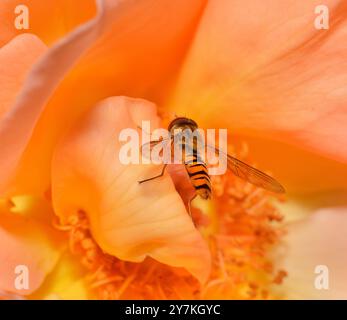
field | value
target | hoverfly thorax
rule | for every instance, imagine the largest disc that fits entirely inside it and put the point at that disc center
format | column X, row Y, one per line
column 186, row 136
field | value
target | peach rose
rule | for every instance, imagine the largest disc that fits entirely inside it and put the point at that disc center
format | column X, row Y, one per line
column 77, row 218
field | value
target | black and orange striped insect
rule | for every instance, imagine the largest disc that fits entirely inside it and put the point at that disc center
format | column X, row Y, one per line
column 197, row 168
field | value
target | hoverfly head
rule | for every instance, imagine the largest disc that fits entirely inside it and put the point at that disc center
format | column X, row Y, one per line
column 182, row 123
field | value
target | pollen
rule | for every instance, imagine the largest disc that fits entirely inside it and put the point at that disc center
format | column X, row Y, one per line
column 247, row 225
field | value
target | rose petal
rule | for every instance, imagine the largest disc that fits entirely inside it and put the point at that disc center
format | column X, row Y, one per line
column 126, row 54
column 16, row 59
column 49, row 20
column 30, row 242
column 262, row 68
column 317, row 241
column 128, row 220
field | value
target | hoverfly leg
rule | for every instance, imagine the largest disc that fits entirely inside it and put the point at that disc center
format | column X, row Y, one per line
column 158, row 176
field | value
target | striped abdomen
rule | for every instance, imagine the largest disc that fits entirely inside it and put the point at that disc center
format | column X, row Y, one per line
column 198, row 174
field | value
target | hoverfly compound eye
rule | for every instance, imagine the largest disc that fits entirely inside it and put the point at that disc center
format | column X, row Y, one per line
column 182, row 122
column 193, row 123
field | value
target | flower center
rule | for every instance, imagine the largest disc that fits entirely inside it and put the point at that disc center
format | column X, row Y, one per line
column 241, row 229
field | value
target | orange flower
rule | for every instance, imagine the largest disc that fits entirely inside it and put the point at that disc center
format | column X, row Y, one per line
column 259, row 69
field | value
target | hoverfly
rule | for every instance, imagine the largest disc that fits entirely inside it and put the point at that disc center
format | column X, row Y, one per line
column 197, row 169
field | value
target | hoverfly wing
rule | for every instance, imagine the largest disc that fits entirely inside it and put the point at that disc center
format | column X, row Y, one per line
column 147, row 148
column 251, row 175
column 254, row 176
